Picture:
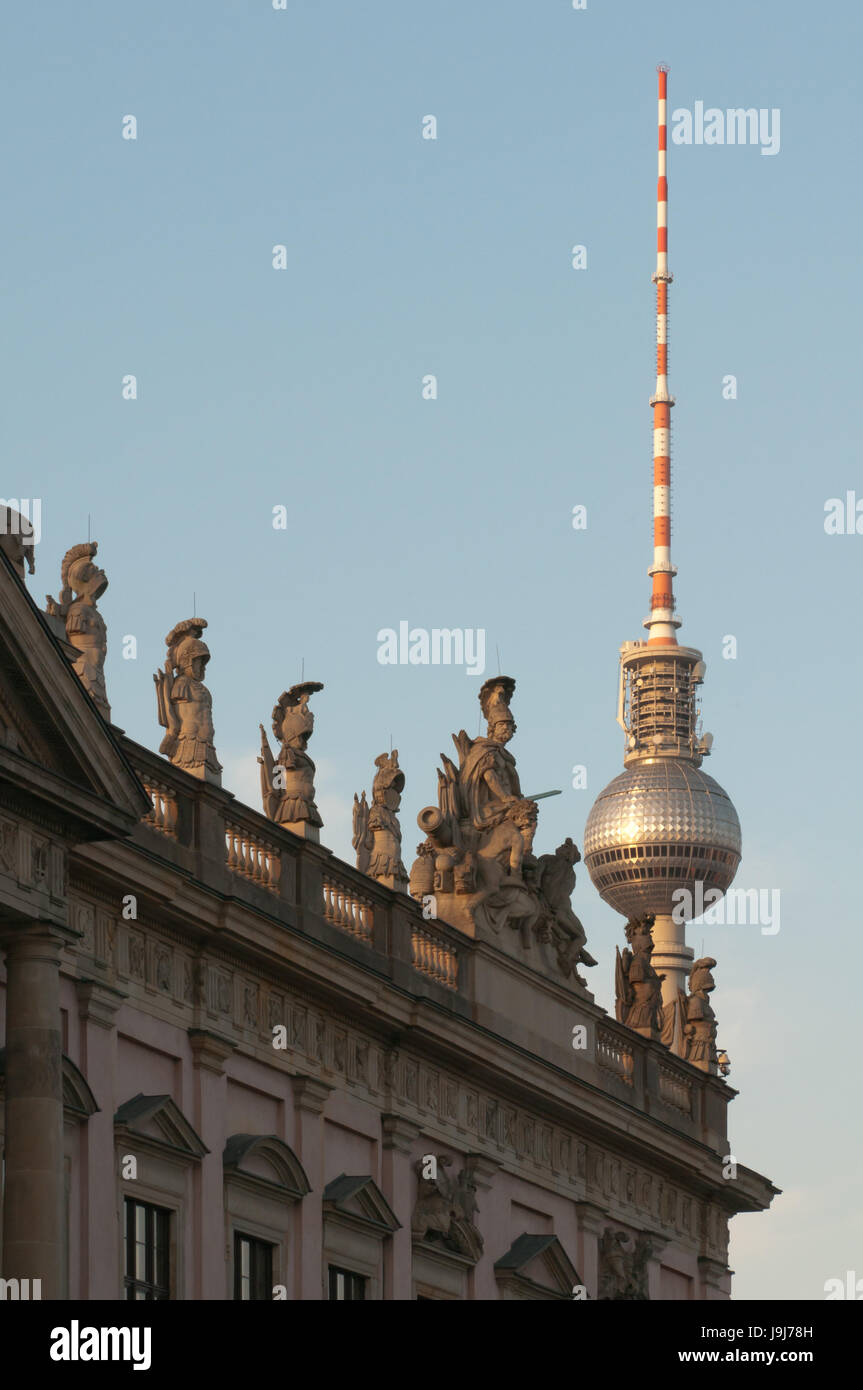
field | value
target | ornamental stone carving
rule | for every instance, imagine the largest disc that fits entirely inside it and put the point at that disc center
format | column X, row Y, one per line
column 553, row 877
column 477, row 859
column 623, row 1262
column 446, row 1207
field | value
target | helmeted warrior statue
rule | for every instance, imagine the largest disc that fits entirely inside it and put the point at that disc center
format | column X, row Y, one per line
column 288, row 780
column 638, row 986
column 700, row 1029
column 488, row 775
column 477, row 861
column 377, row 836
column 185, row 705
column 83, row 583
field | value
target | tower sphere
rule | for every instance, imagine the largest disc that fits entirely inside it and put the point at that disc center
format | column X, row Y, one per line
column 658, row 827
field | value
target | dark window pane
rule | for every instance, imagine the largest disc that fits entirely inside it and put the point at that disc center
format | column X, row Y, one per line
column 253, row 1269
column 146, row 1255
column 345, row 1285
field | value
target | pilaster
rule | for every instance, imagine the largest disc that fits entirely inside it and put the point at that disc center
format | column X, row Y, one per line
column 398, row 1141
column 310, row 1097
column 210, row 1051
column 492, row 1221
column 98, row 1004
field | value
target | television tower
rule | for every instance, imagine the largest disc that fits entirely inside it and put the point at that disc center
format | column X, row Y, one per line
column 662, row 825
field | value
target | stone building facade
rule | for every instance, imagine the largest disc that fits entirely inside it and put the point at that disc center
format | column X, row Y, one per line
column 237, row 1067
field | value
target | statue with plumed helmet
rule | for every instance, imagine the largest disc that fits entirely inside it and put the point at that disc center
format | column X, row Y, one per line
column 288, row 779
column 700, row 1029
column 83, row 583
column 377, row 836
column 185, row 704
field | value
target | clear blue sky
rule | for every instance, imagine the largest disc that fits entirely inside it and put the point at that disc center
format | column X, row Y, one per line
column 303, row 387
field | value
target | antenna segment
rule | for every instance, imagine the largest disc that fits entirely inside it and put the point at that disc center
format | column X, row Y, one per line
column 663, row 622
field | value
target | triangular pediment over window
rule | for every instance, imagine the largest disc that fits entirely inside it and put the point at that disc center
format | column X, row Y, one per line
column 537, row 1267
column 265, row 1161
column 360, row 1200
column 55, row 748
column 157, row 1122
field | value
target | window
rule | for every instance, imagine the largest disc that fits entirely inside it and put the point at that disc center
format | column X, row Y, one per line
column 253, row 1269
column 344, row 1284
column 147, row 1254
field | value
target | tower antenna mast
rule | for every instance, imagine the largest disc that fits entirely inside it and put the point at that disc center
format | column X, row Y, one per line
column 662, row 622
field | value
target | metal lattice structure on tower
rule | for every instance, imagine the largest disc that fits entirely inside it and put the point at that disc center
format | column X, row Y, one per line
column 663, row 825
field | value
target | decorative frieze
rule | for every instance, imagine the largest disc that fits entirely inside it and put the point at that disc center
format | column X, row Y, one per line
column 163, row 969
column 136, row 952
column 250, row 1006
column 433, row 1094
column 34, row 860
column 8, row 848
column 299, row 1028
column 82, row 918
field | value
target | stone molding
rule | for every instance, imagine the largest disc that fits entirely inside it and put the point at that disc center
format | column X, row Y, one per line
column 211, row 1051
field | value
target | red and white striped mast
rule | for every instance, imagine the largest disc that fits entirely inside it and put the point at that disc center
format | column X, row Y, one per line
column 662, row 623
column 657, row 704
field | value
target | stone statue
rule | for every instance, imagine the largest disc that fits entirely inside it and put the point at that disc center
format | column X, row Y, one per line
column 482, row 826
column 623, row 1265
column 700, row 1029
column 17, row 540
column 83, row 583
column 488, row 775
column 638, row 986
column 477, row 859
column 673, row 1034
column 446, row 1207
column 554, row 879
column 185, row 704
column 288, row 780
column 377, row 836
column 638, row 1278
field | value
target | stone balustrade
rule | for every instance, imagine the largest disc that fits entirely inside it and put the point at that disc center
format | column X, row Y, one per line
column 247, row 854
column 163, row 816
column 614, row 1055
column 434, row 957
column 347, row 909
column 675, row 1089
